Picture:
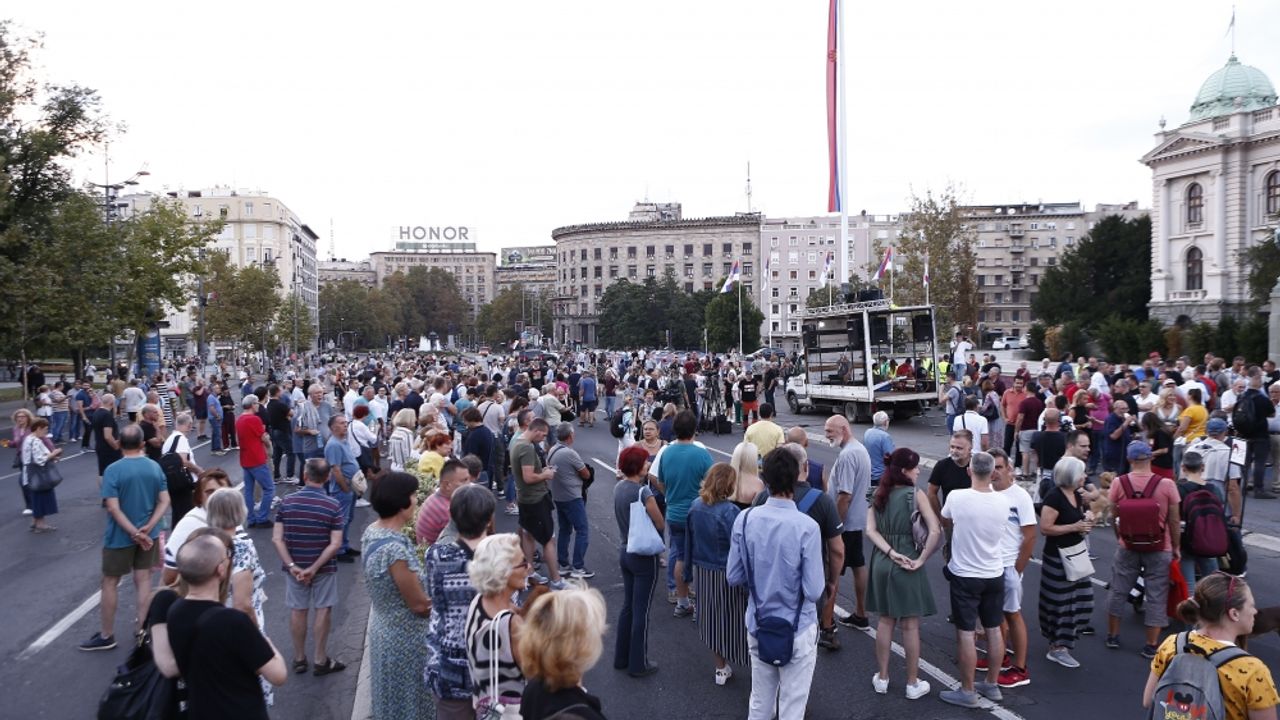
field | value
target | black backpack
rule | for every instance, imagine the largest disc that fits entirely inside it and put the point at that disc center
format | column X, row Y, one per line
column 1245, row 414
column 615, row 424
column 176, row 475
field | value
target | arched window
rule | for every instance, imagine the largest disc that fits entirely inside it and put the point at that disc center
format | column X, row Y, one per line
column 1273, row 192
column 1195, row 269
column 1195, row 204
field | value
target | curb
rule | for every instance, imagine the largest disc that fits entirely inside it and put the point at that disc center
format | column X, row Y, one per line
column 362, row 708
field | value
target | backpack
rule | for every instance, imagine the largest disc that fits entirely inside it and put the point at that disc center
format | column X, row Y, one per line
column 1244, row 416
column 989, row 410
column 1206, row 529
column 1190, row 686
column 615, row 424
column 176, row 476
column 1138, row 519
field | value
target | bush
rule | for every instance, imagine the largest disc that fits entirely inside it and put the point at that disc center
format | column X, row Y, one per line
column 1251, row 341
column 1173, row 337
column 1227, row 337
column 1036, row 341
column 1199, row 339
column 1118, row 338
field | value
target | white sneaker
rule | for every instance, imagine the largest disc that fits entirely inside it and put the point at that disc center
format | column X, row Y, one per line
column 361, row 502
column 723, row 674
column 881, row 685
column 918, row 690
column 27, row 511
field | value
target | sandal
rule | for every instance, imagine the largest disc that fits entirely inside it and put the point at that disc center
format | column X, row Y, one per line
column 301, row 666
column 723, row 674
column 329, row 666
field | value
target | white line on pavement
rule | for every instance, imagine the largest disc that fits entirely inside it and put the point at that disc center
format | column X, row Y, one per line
column 941, row 675
column 69, row 457
column 605, row 465
column 1263, row 542
column 62, row 625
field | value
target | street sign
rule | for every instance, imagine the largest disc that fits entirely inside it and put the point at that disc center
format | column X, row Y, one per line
column 519, row 327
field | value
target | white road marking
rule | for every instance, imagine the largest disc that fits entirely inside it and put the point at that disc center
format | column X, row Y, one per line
column 1263, row 542
column 68, row 457
column 605, row 465
column 62, row 625
column 940, row 675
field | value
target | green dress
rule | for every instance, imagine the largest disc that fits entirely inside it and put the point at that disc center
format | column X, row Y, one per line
column 397, row 637
column 891, row 590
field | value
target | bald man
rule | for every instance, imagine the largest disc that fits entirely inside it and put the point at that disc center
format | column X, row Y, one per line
column 849, row 484
column 816, row 472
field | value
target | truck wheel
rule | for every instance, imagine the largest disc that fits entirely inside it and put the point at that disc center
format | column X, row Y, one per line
column 856, row 412
column 793, row 403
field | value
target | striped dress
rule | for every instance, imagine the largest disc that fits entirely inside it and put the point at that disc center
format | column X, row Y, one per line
column 1065, row 606
column 721, row 608
column 487, row 637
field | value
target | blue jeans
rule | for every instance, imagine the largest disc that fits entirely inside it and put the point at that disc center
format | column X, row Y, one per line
column 511, row 486
column 675, row 551
column 610, row 405
column 58, row 423
column 258, row 475
column 639, row 575
column 1195, row 568
column 348, row 502
column 215, row 440
column 77, row 427
column 572, row 519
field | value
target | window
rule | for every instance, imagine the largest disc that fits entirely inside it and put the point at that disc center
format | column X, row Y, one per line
column 670, row 250
column 1195, row 204
column 706, row 249
column 613, row 253
column 775, row 326
column 793, row 257
column 813, row 257
column 248, row 209
column 727, row 268
column 706, row 269
column 813, row 274
column 688, row 287
column 688, row 249
column 748, row 270
column 726, row 248
column 775, row 308
column 793, row 275
column 746, row 248
column 982, row 280
column 793, row 241
column 599, row 291
column 1015, row 315
column 688, row 270
column 772, row 243
column 595, row 254
column 649, row 250
column 1195, row 269
column 597, row 271
column 631, row 271
column 792, row 308
column 631, row 254
column 1035, row 262
column 648, row 271
column 584, row 291
column 613, row 272
column 583, row 257
column 1273, row 192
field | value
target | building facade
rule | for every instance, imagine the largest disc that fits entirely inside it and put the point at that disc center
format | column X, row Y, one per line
column 473, row 269
column 653, row 240
column 533, row 267
column 795, row 251
column 360, row 271
column 1016, row 244
column 1216, row 193
column 258, row 230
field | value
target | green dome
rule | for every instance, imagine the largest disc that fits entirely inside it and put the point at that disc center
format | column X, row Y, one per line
column 1233, row 81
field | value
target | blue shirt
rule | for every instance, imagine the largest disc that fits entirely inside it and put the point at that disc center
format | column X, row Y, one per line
column 710, row 529
column 137, row 483
column 338, row 455
column 879, row 443
column 783, row 543
column 681, row 471
column 587, row 387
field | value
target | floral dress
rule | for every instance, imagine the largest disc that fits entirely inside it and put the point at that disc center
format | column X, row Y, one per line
column 246, row 558
column 397, row 637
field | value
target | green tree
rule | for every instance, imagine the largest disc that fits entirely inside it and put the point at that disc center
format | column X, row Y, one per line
column 293, row 326
column 935, row 228
column 1109, row 268
column 243, row 302
column 1263, row 263
column 723, row 325
column 623, row 316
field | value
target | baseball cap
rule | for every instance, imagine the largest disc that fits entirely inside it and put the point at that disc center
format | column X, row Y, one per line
column 1138, row 450
column 1192, row 460
column 1216, row 426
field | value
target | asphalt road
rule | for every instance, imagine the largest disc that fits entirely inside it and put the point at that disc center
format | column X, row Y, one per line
column 51, row 580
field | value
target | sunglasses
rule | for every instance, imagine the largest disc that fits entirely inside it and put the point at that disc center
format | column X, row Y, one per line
column 1231, row 589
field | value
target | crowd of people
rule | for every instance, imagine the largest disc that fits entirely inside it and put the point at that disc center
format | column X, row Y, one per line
column 469, row 622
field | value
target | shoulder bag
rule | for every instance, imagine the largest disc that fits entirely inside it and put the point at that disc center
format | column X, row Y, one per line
column 176, row 475
column 919, row 528
column 775, row 637
column 495, row 709
column 1076, row 564
column 42, row 478
column 642, row 536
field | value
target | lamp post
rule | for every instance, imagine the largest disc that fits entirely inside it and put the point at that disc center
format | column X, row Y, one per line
column 110, row 192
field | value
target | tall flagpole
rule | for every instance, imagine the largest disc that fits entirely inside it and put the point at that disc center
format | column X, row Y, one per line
column 844, row 148
column 739, row 315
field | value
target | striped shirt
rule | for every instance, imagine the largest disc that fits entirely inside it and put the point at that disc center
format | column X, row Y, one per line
column 308, row 516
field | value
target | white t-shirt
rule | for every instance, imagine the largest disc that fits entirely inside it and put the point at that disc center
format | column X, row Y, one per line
column 976, row 424
column 961, row 354
column 193, row 520
column 132, row 399
column 1021, row 513
column 979, row 519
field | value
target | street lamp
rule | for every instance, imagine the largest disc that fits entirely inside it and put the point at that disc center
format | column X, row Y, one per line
column 111, row 191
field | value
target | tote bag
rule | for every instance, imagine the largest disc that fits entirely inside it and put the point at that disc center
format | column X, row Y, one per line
column 642, row 536
column 1075, row 562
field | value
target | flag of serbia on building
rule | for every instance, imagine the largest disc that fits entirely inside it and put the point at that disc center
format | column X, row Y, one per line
column 826, row 269
column 735, row 275
column 884, row 264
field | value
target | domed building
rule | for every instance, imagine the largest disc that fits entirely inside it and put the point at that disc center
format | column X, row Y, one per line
column 1216, row 183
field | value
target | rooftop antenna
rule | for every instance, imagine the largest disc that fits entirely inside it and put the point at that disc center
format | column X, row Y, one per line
column 749, row 210
column 1231, row 30
column 331, row 253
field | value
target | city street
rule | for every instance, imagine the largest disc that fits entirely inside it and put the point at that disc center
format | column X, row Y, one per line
column 54, row 579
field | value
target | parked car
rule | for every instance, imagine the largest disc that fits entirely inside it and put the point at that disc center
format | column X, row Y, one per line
column 768, row 354
column 1009, row 342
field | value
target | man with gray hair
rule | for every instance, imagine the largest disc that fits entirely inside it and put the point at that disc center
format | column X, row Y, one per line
column 568, row 492
column 977, row 516
column 255, row 451
column 879, row 444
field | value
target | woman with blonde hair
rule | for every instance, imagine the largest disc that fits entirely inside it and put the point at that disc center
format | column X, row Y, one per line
column 720, row 606
column 746, row 466
column 563, row 636
column 498, row 570
column 22, row 418
column 400, row 446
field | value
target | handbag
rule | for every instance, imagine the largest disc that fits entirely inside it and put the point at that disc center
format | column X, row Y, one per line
column 177, row 477
column 642, row 536
column 139, row 690
column 1178, row 590
column 919, row 528
column 775, row 637
column 1076, row 564
column 42, row 478
column 496, row 709
column 359, row 483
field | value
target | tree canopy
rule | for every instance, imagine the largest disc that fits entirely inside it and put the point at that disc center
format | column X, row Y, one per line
column 645, row 314
column 496, row 321
column 723, row 325
column 1110, row 268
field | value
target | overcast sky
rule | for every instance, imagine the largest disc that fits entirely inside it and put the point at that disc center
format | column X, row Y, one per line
column 514, row 118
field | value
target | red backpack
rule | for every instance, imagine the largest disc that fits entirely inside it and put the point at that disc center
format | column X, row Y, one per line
column 1139, row 522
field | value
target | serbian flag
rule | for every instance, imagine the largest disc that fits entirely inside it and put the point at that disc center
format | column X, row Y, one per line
column 833, row 137
column 926, row 269
column 826, row 268
column 735, row 275
column 765, row 278
column 884, row 264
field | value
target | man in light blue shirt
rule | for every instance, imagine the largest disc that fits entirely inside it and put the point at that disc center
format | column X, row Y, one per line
column 771, row 538
column 344, row 467
column 879, row 444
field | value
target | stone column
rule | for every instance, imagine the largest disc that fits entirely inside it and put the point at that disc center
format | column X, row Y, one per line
column 1273, row 325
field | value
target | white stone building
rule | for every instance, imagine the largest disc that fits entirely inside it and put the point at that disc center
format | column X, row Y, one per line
column 1216, row 193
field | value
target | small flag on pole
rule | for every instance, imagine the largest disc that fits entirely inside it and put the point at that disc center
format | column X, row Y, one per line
column 884, row 264
column 765, row 277
column 926, row 269
column 826, row 269
column 735, row 275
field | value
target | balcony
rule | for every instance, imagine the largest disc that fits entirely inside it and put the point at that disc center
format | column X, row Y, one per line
column 1015, row 231
column 1188, row 295
column 1017, row 248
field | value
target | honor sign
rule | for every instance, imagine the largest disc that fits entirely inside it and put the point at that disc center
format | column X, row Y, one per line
column 437, row 238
